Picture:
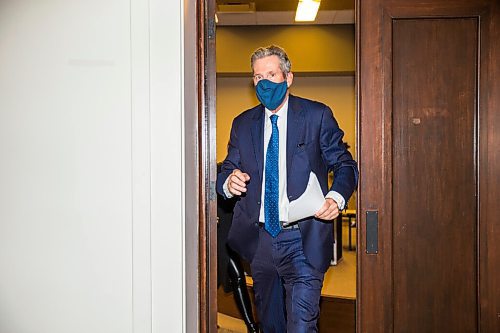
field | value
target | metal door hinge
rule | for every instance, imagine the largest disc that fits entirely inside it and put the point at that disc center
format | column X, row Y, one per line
column 212, row 196
column 211, row 28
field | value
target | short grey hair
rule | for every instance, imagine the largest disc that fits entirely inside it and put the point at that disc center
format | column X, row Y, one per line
column 262, row 52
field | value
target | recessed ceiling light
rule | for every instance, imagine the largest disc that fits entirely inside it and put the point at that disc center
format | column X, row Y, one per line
column 307, row 10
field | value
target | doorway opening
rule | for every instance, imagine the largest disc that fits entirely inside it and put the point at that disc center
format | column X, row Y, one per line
column 323, row 62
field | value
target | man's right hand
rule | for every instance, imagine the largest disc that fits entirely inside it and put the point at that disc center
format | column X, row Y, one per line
column 237, row 183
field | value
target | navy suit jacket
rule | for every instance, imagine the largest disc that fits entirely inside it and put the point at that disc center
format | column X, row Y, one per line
column 314, row 143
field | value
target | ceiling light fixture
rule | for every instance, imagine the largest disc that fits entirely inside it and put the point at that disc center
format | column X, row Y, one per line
column 307, row 10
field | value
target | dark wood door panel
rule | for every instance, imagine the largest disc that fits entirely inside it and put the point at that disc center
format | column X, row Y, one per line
column 429, row 163
column 434, row 179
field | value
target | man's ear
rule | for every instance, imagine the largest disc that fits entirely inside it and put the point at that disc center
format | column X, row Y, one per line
column 289, row 79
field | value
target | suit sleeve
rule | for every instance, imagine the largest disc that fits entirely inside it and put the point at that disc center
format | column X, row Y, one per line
column 337, row 157
column 232, row 160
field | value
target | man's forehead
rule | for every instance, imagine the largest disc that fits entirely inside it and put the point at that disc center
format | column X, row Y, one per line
column 270, row 58
column 268, row 63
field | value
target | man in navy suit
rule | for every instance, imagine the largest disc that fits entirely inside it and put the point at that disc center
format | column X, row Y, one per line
column 273, row 148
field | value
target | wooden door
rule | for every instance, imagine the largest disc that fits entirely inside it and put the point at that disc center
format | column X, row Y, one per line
column 429, row 118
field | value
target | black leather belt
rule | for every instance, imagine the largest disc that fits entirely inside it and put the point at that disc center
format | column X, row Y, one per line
column 285, row 227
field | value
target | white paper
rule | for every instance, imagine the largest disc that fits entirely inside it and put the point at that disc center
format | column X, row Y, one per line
column 308, row 203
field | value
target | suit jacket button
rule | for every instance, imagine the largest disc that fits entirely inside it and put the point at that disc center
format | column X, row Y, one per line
column 258, row 202
column 290, row 196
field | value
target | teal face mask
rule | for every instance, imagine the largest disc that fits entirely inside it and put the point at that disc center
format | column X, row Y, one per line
column 271, row 94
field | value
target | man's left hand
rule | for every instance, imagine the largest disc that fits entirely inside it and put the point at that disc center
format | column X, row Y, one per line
column 329, row 211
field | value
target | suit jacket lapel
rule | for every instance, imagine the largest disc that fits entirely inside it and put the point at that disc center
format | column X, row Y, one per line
column 258, row 139
column 295, row 130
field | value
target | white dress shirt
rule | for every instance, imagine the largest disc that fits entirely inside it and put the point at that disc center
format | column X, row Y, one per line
column 268, row 129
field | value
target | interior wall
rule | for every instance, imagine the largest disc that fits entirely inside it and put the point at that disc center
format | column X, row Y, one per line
column 311, row 48
column 91, row 139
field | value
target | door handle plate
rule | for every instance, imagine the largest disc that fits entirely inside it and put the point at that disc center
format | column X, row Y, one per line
column 372, row 232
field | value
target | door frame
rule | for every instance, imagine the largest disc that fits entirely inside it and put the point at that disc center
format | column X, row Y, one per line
column 206, row 10
column 207, row 166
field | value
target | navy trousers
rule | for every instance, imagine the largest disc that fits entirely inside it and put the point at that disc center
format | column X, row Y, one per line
column 287, row 288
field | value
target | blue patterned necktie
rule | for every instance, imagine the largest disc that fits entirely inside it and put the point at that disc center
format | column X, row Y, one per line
column 271, row 195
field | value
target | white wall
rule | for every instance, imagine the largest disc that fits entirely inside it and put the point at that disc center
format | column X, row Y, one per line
column 91, row 166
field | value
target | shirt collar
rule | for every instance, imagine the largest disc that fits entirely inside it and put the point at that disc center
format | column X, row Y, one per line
column 281, row 113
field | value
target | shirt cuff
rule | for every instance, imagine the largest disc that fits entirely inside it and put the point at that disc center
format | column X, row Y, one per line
column 338, row 198
column 225, row 188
